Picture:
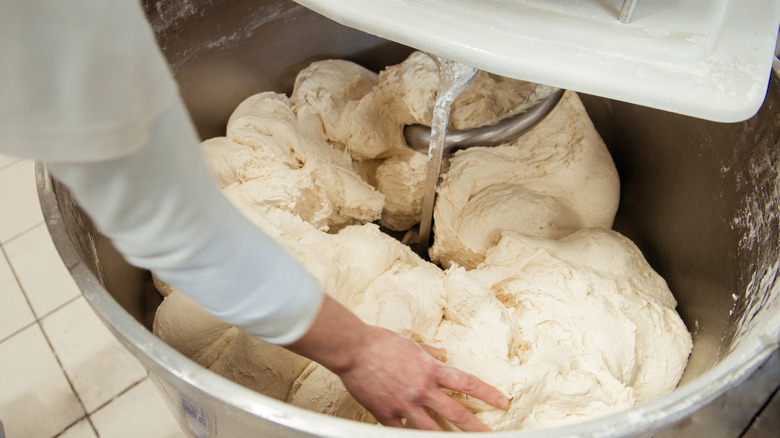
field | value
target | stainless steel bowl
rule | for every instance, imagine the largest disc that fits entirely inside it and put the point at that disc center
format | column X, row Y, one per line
column 699, row 198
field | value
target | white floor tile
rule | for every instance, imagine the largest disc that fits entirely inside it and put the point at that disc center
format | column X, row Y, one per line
column 98, row 366
column 35, row 397
column 15, row 313
column 18, row 200
column 41, row 273
column 82, row 429
column 5, row 160
column 140, row 412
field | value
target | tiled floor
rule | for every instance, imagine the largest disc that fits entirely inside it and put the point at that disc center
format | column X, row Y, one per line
column 62, row 373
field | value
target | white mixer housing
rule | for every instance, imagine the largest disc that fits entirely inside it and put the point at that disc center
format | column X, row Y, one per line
column 709, row 59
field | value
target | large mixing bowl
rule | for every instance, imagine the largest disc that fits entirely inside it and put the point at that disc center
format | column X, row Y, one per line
column 699, row 198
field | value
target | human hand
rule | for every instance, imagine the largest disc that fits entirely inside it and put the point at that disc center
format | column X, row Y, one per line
column 396, row 379
column 391, row 376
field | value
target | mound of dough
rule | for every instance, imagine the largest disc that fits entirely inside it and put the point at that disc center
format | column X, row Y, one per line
column 570, row 328
column 553, row 180
column 225, row 350
column 272, row 157
column 537, row 296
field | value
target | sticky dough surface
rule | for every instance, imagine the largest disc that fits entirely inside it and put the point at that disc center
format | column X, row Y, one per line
column 536, row 295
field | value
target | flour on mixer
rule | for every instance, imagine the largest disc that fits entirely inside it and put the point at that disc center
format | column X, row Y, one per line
column 537, row 296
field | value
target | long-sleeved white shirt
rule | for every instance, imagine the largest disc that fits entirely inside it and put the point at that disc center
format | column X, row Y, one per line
column 84, row 87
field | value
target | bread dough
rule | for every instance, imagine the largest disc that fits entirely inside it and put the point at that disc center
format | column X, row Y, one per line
column 274, row 158
column 555, row 179
column 570, row 328
column 226, row 350
column 537, row 296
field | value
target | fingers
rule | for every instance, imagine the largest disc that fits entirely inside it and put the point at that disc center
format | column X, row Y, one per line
column 392, row 422
column 456, row 380
column 419, row 419
column 455, row 413
column 400, row 381
column 449, row 409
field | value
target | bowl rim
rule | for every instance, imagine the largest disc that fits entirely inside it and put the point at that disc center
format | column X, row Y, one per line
column 166, row 363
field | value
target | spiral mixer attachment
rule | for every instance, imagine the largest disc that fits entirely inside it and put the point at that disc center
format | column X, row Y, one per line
column 528, row 114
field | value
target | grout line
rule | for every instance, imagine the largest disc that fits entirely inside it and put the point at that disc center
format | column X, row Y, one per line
column 24, row 294
column 34, row 225
column 23, row 232
column 85, row 417
column 64, row 373
column 16, row 332
column 92, row 425
column 38, row 319
column 60, row 307
column 121, row 393
column 10, row 163
column 43, row 332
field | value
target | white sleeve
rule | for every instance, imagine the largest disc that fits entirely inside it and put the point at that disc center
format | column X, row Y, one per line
column 163, row 211
column 84, row 87
column 79, row 79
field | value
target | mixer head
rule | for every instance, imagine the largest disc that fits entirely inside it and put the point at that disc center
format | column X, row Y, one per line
column 709, row 59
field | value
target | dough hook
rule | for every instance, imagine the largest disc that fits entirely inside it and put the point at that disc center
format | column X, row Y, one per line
column 542, row 100
column 454, row 77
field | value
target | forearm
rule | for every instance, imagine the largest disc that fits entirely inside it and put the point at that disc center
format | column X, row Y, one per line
column 336, row 337
column 163, row 211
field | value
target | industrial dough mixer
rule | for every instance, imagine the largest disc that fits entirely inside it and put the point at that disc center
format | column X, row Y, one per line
column 708, row 59
column 699, row 198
